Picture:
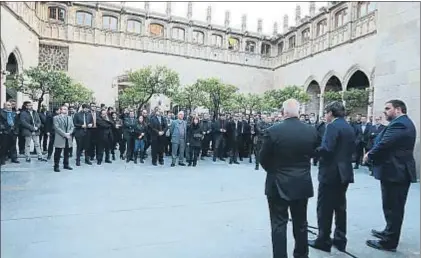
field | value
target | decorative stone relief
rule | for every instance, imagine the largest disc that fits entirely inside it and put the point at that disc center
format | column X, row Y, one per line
column 53, row 57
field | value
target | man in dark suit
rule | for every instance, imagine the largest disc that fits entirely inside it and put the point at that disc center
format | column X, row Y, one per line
column 335, row 173
column 393, row 164
column 219, row 129
column 234, row 136
column 158, row 126
column 362, row 131
column 83, row 121
column 375, row 130
column 285, row 156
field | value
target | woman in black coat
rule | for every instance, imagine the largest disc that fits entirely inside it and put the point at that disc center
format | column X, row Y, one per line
column 194, row 140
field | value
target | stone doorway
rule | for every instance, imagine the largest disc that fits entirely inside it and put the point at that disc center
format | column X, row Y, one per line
column 359, row 80
column 313, row 90
column 12, row 69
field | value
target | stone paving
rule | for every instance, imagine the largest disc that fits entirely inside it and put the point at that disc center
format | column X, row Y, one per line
column 124, row 210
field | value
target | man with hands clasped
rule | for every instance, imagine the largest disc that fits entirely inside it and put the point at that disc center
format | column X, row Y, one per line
column 82, row 121
column 63, row 128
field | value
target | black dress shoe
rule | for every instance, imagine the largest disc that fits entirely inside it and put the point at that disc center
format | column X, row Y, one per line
column 161, row 163
column 236, row 162
column 172, row 165
column 154, row 164
column 315, row 245
column 99, row 162
column 380, row 245
column 181, row 164
column 88, row 162
column 28, row 160
column 68, row 168
column 339, row 245
column 378, row 234
column 256, row 167
column 78, row 163
column 56, row 170
column 42, row 159
column 108, row 161
column 15, row 161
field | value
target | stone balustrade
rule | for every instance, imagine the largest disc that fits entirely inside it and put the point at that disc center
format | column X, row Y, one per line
column 71, row 33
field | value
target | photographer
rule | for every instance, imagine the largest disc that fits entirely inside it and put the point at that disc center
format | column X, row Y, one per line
column 30, row 128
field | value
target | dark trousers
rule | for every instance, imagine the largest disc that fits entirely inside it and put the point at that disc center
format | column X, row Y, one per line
column 359, row 153
column 21, row 144
column 205, row 144
column 93, row 138
column 278, row 209
column 8, row 147
column 103, row 145
column 234, row 149
column 218, row 147
column 244, row 145
column 82, row 144
column 130, row 140
column 257, row 151
column 394, row 197
column 157, row 149
column 57, row 155
column 168, row 145
column 193, row 153
column 43, row 140
column 51, row 144
column 331, row 199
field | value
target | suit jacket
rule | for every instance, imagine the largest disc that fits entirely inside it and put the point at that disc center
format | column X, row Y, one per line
column 174, row 132
column 156, row 127
column 104, row 129
column 374, row 132
column 362, row 137
column 338, row 145
column 393, row 154
column 129, row 127
column 218, row 125
column 234, row 133
column 28, row 123
column 62, row 125
column 78, row 121
column 285, row 155
column 43, row 118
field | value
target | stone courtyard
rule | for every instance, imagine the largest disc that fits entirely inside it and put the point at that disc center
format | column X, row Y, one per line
column 127, row 210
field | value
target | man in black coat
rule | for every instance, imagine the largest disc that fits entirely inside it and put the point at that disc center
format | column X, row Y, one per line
column 8, row 131
column 285, row 156
column 362, row 131
column 105, row 137
column 393, row 162
column 219, row 130
column 83, row 121
column 234, row 135
column 335, row 174
column 158, row 126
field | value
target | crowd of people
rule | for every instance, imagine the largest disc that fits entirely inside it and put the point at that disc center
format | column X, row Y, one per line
column 99, row 131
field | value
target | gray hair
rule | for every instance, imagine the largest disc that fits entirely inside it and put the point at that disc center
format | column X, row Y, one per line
column 291, row 108
column 180, row 112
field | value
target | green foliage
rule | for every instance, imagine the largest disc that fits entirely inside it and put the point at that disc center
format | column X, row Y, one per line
column 74, row 93
column 188, row 97
column 356, row 98
column 275, row 98
column 330, row 96
column 147, row 82
column 216, row 95
column 247, row 103
column 36, row 82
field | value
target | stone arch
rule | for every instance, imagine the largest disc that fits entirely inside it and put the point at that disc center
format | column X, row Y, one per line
column 358, row 80
column 3, row 56
column 314, row 91
column 331, row 81
column 308, row 81
column 19, row 59
column 351, row 71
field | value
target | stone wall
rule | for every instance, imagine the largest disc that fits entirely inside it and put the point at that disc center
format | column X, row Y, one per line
column 97, row 68
column 398, row 59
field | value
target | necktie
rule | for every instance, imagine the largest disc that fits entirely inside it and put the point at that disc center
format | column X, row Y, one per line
column 84, row 119
column 66, row 123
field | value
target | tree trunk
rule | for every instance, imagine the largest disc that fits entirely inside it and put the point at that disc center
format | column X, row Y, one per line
column 40, row 100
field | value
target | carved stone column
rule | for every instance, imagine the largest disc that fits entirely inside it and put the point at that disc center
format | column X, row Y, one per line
column 2, row 88
column 297, row 15
column 286, row 26
column 321, row 105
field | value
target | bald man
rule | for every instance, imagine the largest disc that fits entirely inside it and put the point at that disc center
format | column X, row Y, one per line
column 285, row 156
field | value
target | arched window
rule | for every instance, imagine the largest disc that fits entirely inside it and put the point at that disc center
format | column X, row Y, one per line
column 83, row 18
column 365, row 8
column 321, row 27
column 265, row 51
column 134, row 26
column 305, row 35
column 156, row 30
column 178, row 34
column 216, row 40
column 198, row 37
column 291, row 42
column 233, row 43
column 56, row 13
column 341, row 18
column 109, row 22
column 280, row 47
column 250, row 46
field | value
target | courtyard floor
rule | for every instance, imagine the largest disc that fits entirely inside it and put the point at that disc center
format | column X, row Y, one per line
column 124, row 210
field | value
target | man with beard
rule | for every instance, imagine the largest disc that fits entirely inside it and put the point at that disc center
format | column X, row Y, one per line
column 63, row 128
column 83, row 121
column 285, row 156
column 206, row 126
column 158, row 126
column 393, row 162
column 8, row 136
column 105, row 137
